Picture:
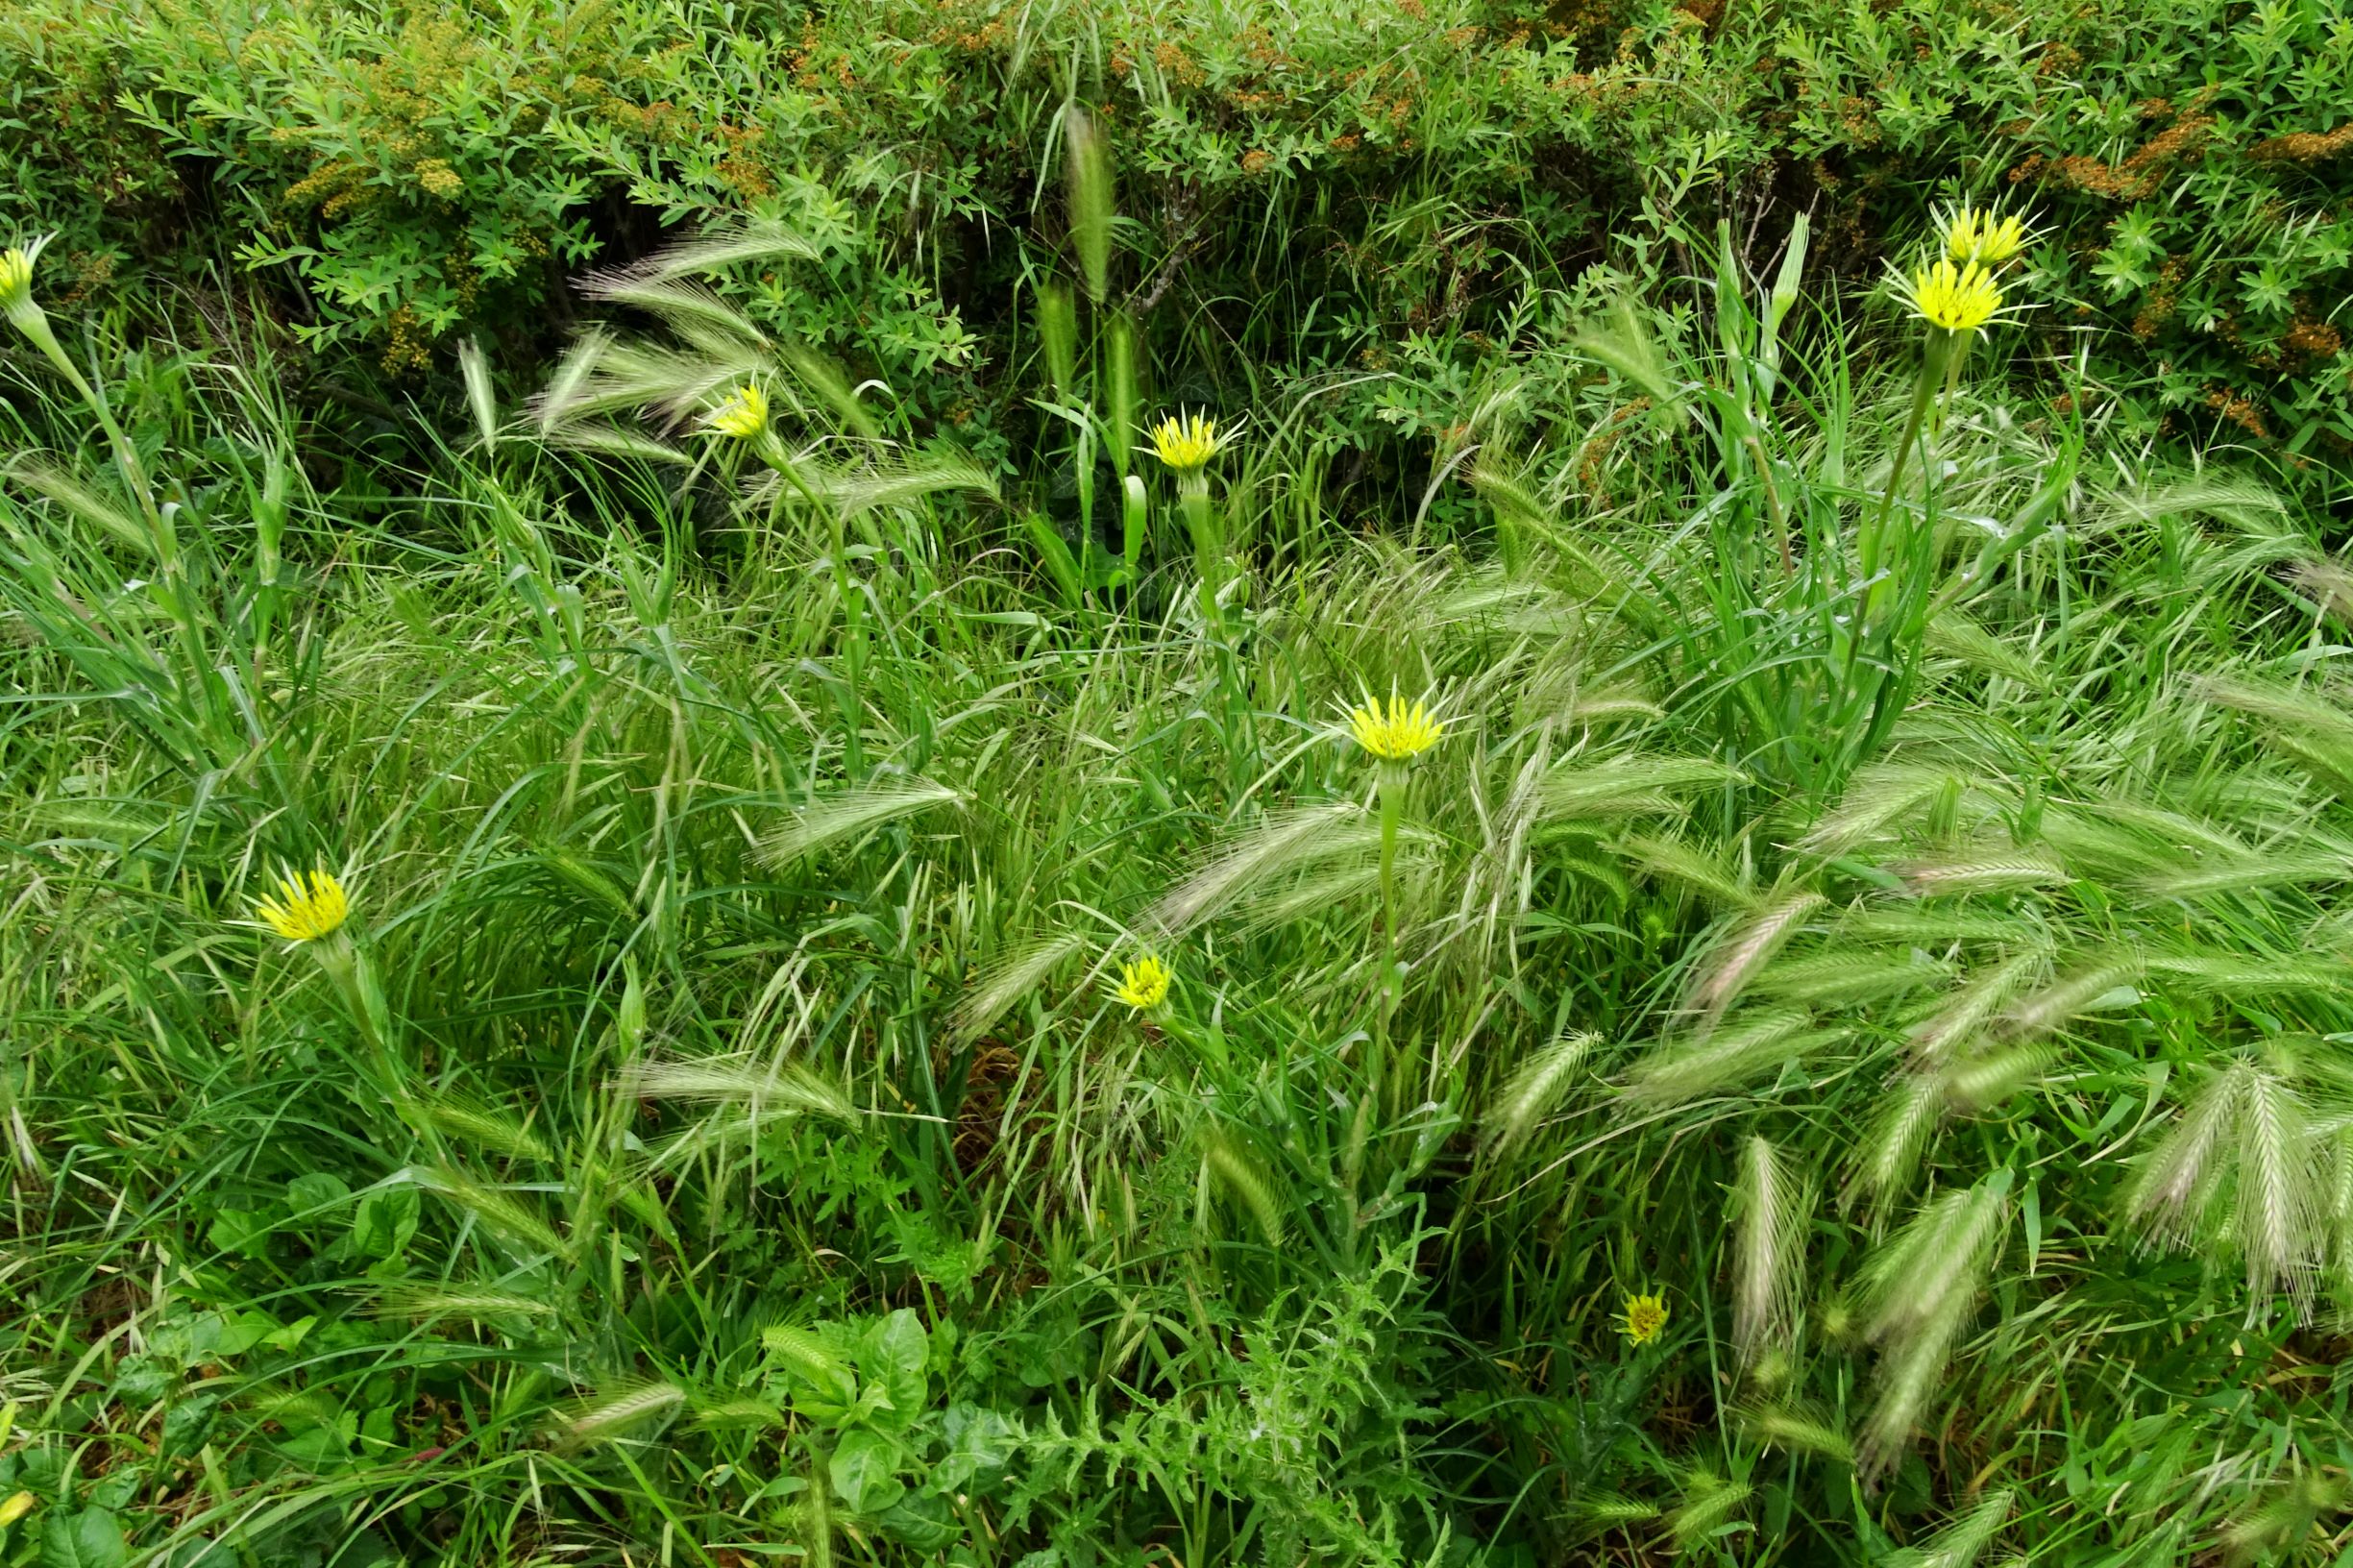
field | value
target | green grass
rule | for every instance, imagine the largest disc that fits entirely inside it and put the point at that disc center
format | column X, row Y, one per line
column 713, row 1137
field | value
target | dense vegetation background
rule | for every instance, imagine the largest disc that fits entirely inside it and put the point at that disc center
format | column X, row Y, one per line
column 1834, row 1047
column 1395, row 194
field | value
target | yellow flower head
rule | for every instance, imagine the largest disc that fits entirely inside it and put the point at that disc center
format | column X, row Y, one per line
column 16, row 301
column 1187, row 442
column 309, row 905
column 743, row 415
column 15, row 280
column 1646, row 1319
column 1143, row 983
column 22, row 1503
column 1980, row 236
column 1396, row 732
column 1957, row 299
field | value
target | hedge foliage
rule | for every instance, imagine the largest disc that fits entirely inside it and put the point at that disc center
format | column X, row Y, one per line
column 1394, row 194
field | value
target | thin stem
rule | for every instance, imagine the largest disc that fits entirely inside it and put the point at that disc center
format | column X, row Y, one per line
column 1923, row 390
column 1393, row 778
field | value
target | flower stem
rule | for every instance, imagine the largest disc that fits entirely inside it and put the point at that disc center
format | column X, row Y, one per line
column 1392, row 779
column 1208, row 550
column 1923, row 390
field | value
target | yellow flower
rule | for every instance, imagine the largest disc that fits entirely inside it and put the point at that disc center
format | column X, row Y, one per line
column 743, row 415
column 1142, row 984
column 15, row 280
column 1975, row 235
column 17, row 285
column 1187, row 442
column 1957, row 299
column 1646, row 1319
column 22, row 1503
column 1394, row 733
column 309, row 905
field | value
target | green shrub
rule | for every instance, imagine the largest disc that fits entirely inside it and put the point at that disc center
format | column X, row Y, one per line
column 1314, row 193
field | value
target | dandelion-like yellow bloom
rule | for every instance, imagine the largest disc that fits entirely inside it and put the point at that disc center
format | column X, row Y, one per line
column 15, row 1508
column 1958, row 299
column 309, row 905
column 1983, row 237
column 1143, row 983
column 1187, row 442
column 15, row 280
column 743, row 415
column 1646, row 1319
column 1396, row 732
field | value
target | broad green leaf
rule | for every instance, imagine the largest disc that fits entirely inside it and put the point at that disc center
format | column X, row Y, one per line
column 90, row 1538
column 244, row 1231
column 386, row 1222
column 316, row 1194
column 896, row 1352
column 863, row 1472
